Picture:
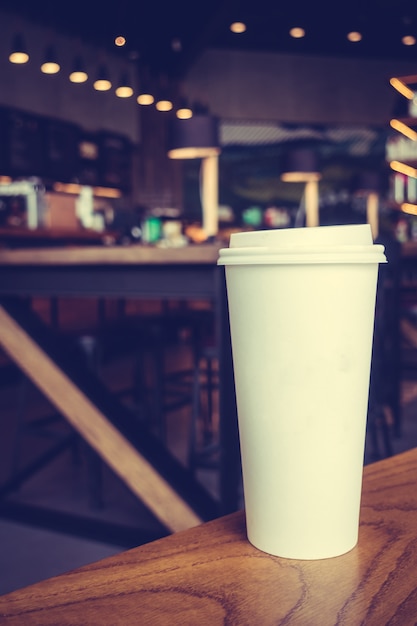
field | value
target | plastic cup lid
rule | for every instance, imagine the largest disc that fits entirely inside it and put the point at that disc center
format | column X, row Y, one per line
column 321, row 244
column 351, row 234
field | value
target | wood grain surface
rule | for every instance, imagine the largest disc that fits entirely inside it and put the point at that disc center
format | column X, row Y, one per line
column 211, row 575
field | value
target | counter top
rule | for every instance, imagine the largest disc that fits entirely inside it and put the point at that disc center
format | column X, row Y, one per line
column 133, row 254
column 211, row 575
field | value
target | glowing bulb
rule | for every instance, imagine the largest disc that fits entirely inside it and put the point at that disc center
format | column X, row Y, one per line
column 102, row 85
column 145, row 99
column 297, row 32
column 354, row 36
column 238, row 27
column 78, row 73
column 124, row 91
column 120, row 41
column 184, row 113
column 408, row 40
column 78, row 76
column 102, row 82
column 164, row 105
column 18, row 54
column 50, row 67
column 19, row 58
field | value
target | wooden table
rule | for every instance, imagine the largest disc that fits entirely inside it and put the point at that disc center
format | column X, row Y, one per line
column 136, row 271
column 212, row 575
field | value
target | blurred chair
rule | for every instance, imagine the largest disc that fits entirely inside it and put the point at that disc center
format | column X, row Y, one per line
column 203, row 449
column 384, row 411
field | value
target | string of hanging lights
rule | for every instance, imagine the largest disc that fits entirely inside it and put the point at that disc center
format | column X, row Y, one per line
column 156, row 95
column 154, row 92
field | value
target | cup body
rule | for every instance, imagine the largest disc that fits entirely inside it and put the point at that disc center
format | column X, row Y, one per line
column 301, row 335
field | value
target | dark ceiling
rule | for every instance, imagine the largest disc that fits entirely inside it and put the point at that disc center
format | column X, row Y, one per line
column 168, row 35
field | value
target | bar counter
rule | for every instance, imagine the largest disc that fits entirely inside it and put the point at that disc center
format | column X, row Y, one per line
column 210, row 574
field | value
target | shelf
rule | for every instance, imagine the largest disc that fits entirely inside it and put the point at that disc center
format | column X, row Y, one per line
column 401, row 148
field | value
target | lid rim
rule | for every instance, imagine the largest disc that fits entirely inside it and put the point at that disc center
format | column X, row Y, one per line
column 304, row 249
column 264, row 256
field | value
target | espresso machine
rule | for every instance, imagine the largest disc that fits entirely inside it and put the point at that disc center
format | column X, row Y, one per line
column 22, row 203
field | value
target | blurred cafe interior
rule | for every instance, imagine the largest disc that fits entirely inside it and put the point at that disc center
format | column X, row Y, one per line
column 135, row 137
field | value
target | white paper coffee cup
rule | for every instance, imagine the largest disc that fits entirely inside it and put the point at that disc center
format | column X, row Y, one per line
column 301, row 306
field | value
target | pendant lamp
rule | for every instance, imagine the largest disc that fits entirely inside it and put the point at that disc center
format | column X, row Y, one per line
column 300, row 165
column 194, row 138
column 102, row 82
column 145, row 98
column 18, row 53
column 78, row 72
column 146, row 94
column 50, row 63
column 198, row 138
column 184, row 111
column 124, row 88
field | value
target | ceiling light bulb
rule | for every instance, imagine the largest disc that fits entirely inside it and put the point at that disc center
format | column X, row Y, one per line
column 184, row 113
column 19, row 58
column 145, row 99
column 102, row 84
column 238, row 27
column 164, row 105
column 120, row 41
column 50, row 64
column 50, row 67
column 408, row 40
column 78, row 73
column 78, row 76
column 354, row 36
column 18, row 54
column 124, row 91
column 297, row 32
